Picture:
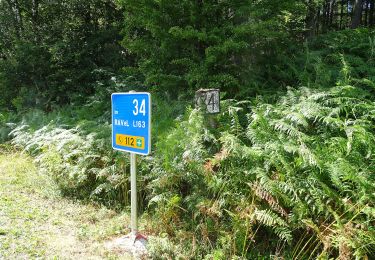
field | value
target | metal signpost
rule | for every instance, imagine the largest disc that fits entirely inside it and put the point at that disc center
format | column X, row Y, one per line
column 131, row 132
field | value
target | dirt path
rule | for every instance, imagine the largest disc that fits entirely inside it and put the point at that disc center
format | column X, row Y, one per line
column 36, row 222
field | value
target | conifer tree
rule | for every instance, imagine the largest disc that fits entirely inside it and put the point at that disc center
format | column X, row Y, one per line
column 188, row 44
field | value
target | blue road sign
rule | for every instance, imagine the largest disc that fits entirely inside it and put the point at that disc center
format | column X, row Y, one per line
column 131, row 122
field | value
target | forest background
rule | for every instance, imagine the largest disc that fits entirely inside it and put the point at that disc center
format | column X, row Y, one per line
column 287, row 170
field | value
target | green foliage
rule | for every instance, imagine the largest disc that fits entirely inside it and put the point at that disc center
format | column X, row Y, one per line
column 187, row 45
column 73, row 144
column 6, row 118
column 35, row 218
column 304, row 163
column 82, row 166
column 284, row 173
column 296, row 173
column 51, row 51
column 299, row 169
column 331, row 58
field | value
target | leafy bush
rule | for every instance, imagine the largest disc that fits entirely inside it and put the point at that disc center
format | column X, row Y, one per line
column 181, row 46
column 333, row 57
column 5, row 125
column 302, row 167
column 82, row 165
column 73, row 143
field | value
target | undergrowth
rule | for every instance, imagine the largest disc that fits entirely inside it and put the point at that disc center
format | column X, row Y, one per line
column 73, row 144
column 289, row 174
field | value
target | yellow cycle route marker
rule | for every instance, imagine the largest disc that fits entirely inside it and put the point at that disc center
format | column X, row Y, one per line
column 130, row 141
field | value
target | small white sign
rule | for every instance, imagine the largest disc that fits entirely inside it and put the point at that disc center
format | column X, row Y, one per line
column 208, row 99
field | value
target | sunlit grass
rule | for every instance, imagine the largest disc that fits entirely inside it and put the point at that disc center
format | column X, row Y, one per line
column 35, row 221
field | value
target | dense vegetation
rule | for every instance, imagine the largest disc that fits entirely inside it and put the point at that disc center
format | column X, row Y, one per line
column 286, row 169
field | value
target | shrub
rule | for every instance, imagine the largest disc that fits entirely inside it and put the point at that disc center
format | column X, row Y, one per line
column 301, row 167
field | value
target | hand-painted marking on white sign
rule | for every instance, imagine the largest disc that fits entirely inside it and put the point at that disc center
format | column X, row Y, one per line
column 208, row 98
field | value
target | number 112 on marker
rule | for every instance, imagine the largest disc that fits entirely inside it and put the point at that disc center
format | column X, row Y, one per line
column 130, row 141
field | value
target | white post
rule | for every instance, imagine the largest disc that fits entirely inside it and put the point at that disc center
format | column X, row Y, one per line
column 133, row 186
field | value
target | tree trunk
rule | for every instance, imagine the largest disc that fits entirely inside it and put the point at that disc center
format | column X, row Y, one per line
column 325, row 15
column 19, row 15
column 311, row 19
column 17, row 18
column 371, row 13
column 350, row 14
column 332, row 6
column 365, row 23
column 357, row 15
column 342, row 13
column 318, row 20
column 35, row 19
